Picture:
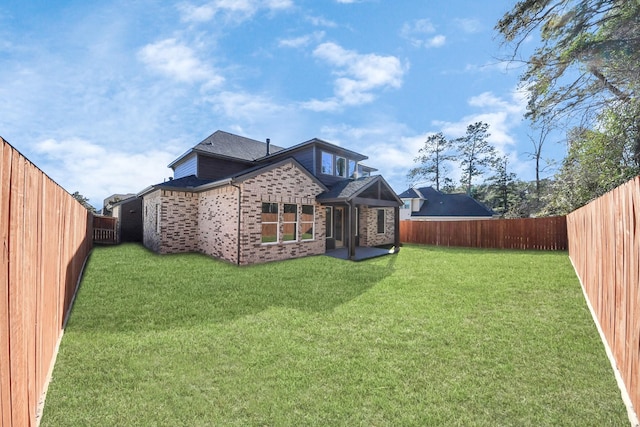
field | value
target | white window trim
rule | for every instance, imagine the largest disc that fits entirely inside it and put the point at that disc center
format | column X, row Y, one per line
column 312, row 222
column 277, row 222
column 295, row 237
column 333, row 165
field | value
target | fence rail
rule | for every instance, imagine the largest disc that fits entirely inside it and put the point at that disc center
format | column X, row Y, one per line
column 604, row 246
column 525, row 233
column 45, row 242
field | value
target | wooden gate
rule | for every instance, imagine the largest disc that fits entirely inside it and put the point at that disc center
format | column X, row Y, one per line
column 105, row 230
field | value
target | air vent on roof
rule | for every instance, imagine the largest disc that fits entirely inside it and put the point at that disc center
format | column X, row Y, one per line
column 268, row 146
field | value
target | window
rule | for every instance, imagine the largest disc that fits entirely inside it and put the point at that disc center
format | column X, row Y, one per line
column 341, row 167
column 352, row 169
column 306, row 222
column 327, row 163
column 406, row 204
column 329, row 221
column 290, row 223
column 380, row 221
column 157, row 218
column 269, row 219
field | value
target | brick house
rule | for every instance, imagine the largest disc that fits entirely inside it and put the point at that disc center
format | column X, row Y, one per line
column 247, row 201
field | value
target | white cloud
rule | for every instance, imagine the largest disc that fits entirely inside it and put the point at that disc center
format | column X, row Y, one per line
column 502, row 116
column 191, row 13
column 302, row 41
column 245, row 106
column 436, row 41
column 320, row 21
column 178, row 61
column 358, row 75
column 104, row 170
column 468, row 25
column 232, row 10
column 420, row 34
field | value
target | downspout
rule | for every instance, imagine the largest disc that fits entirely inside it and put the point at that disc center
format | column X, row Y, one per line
column 239, row 217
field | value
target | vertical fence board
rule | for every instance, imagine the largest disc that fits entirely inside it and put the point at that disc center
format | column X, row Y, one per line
column 6, row 155
column 43, row 252
column 604, row 246
column 524, row 233
column 17, row 339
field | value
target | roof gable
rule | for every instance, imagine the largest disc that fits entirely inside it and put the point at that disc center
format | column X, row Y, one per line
column 370, row 188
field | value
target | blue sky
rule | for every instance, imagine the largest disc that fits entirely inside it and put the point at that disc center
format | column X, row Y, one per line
column 103, row 95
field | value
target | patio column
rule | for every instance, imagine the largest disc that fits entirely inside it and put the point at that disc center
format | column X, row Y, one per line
column 351, row 227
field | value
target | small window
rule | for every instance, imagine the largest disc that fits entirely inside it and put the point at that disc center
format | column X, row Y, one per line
column 290, row 223
column 380, row 221
column 341, row 167
column 327, row 163
column 269, row 219
column 406, row 204
column 352, row 168
column 307, row 222
column 329, row 221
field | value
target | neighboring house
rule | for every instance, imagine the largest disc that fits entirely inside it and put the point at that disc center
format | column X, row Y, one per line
column 107, row 204
column 129, row 215
column 247, row 201
column 429, row 204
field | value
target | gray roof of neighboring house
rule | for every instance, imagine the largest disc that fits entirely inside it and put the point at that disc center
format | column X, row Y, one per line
column 437, row 203
column 225, row 144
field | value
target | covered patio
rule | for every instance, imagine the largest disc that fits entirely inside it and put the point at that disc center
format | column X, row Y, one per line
column 344, row 201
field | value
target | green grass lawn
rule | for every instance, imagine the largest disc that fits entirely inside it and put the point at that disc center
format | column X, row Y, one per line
column 431, row 336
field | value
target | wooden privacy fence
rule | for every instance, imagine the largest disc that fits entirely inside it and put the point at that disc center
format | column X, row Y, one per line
column 604, row 246
column 45, row 241
column 525, row 233
column 105, row 230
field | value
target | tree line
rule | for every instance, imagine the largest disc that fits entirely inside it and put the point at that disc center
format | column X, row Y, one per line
column 582, row 79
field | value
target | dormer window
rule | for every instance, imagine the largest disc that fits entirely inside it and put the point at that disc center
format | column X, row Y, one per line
column 341, row 167
column 327, row 163
column 352, row 168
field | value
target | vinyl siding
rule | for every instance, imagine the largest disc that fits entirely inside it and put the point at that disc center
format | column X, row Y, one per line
column 186, row 168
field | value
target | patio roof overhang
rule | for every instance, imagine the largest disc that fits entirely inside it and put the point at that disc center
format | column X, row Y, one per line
column 372, row 191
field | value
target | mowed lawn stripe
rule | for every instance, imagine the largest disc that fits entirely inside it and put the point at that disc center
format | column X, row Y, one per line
column 431, row 336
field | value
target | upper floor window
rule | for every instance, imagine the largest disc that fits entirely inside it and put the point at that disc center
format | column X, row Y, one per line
column 327, row 163
column 352, row 168
column 341, row 167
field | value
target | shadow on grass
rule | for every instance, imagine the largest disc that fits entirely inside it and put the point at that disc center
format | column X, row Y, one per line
column 128, row 288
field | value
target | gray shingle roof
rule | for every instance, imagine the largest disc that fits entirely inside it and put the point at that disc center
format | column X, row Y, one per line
column 190, row 181
column 229, row 145
column 440, row 204
column 347, row 189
